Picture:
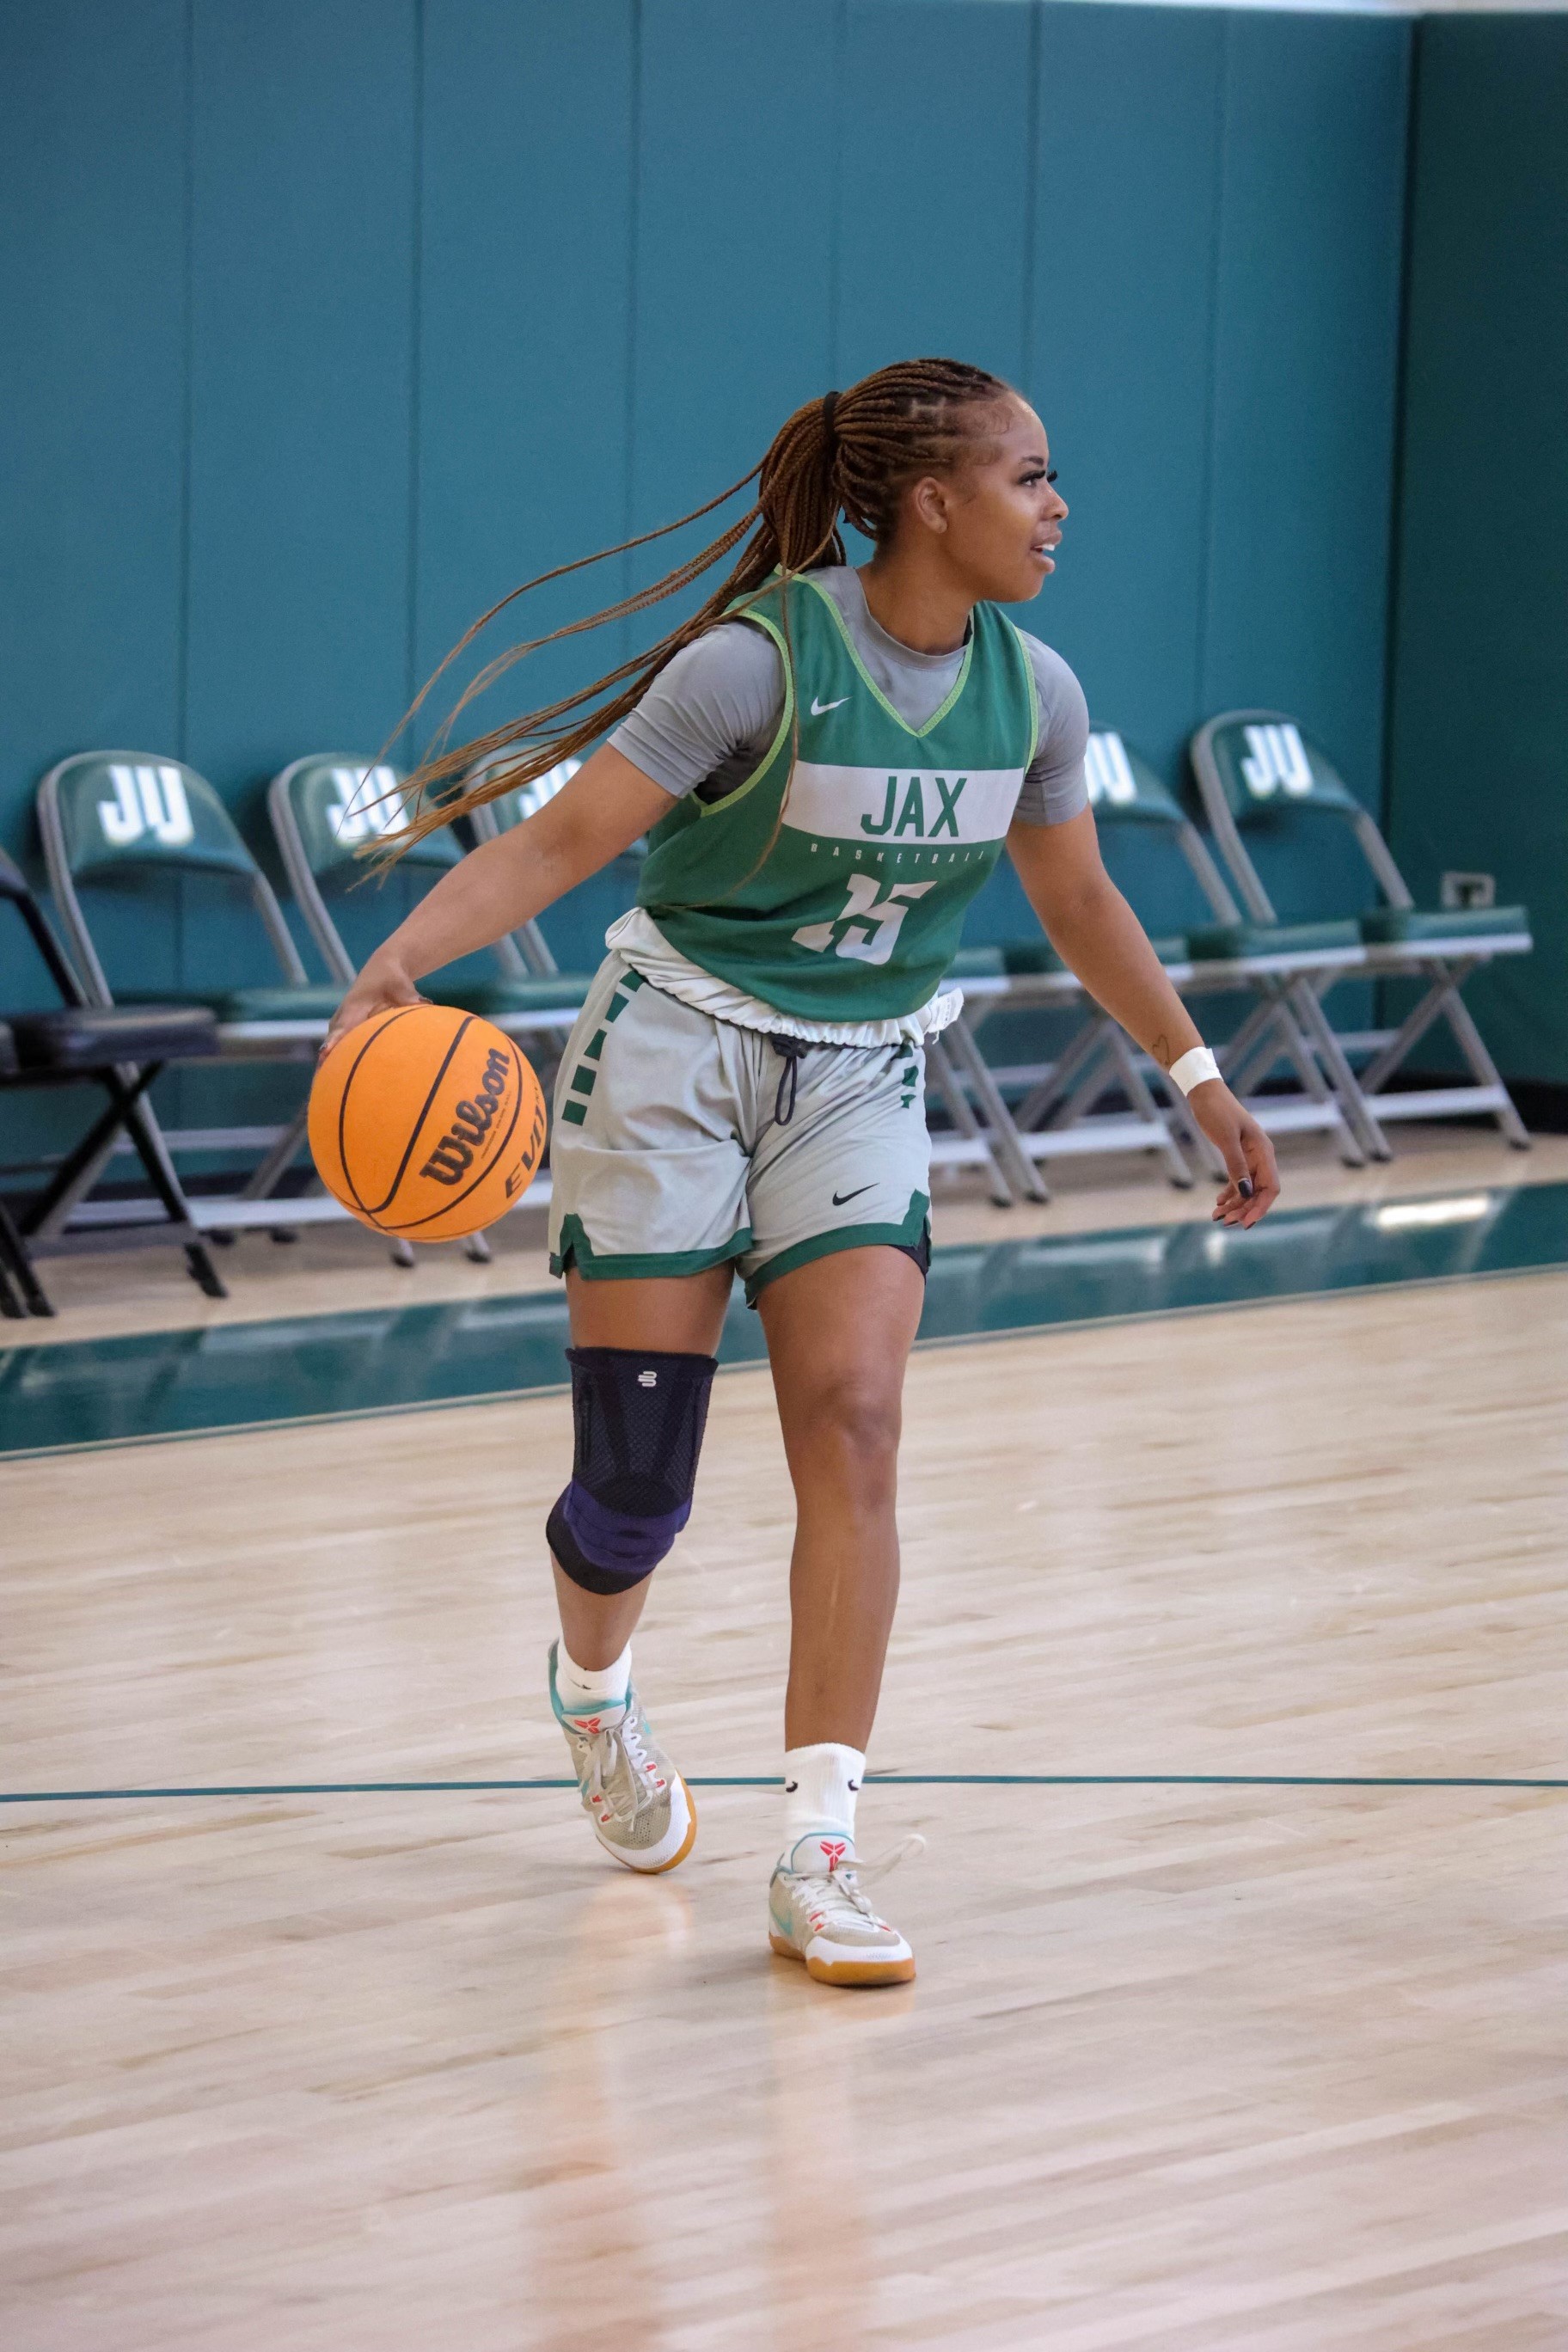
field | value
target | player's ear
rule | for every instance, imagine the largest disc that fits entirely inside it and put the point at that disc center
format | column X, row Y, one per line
column 928, row 501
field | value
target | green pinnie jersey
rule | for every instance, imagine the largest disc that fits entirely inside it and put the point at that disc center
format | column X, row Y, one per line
column 837, row 892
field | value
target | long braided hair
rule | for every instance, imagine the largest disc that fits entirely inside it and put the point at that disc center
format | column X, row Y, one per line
column 849, row 453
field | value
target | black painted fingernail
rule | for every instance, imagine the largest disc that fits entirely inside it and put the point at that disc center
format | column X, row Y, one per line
column 1244, row 1186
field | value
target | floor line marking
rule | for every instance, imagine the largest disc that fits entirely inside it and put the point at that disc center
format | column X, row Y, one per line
column 772, row 1780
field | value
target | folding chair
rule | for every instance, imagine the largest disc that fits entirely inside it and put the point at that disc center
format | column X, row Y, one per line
column 139, row 826
column 1259, row 774
column 120, row 1049
column 325, row 809
column 1057, row 1113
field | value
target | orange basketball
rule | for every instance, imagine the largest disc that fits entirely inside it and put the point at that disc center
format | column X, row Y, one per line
column 426, row 1123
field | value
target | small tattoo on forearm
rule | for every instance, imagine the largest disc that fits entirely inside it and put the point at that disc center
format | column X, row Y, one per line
column 1161, row 1050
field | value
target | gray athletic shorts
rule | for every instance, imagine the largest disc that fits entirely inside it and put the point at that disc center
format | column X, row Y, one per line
column 677, row 1144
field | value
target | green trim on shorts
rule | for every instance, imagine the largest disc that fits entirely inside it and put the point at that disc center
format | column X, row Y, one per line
column 843, row 1237
column 577, row 1250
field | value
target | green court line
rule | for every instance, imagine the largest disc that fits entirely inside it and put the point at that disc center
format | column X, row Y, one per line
column 771, row 1781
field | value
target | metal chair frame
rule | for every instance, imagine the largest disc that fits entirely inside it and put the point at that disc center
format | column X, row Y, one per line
column 43, row 1224
column 1056, row 1114
column 284, row 1039
column 1444, row 964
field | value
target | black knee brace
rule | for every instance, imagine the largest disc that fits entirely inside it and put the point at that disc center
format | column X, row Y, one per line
column 638, row 1419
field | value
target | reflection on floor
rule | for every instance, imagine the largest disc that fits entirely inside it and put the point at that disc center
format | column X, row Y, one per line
column 144, row 1385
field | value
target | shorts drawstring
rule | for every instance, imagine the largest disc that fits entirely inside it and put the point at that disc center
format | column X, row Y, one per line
column 792, row 1052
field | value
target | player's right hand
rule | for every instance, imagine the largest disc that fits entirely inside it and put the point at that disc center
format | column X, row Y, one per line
column 380, row 988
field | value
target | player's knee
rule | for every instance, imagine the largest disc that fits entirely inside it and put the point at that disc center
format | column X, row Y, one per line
column 637, row 1418
column 856, row 1420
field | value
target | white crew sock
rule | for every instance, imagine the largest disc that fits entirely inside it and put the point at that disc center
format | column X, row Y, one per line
column 821, row 1784
column 588, row 1690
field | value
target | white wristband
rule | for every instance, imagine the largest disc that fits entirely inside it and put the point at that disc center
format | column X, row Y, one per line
column 1192, row 1068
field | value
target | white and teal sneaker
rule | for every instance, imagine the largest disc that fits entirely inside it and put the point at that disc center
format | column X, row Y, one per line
column 640, row 1806
column 818, row 1913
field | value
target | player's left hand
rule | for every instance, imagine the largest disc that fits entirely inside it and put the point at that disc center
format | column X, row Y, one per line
column 1248, row 1156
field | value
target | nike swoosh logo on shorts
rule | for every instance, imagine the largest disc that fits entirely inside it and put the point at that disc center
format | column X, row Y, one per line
column 839, row 1198
column 820, row 710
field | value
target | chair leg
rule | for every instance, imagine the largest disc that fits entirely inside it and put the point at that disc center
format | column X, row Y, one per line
column 1143, row 1103
column 1001, row 1136
column 1408, row 1035
column 1342, row 1078
column 477, row 1249
column 77, row 1173
column 1352, row 1150
column 1233, row 1070
column 21, row 1282
column 271, row 1171
column 1444, row 1001
column 960, row 1112
column 1042, row 1106
column 153, row 1154
column 1248, row 1056
column 1473, row 1048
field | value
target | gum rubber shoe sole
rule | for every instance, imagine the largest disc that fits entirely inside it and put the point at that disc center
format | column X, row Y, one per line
column 846, row 1972
column 658, row 1869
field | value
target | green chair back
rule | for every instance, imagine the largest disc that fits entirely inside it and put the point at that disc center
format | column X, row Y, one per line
column 119, row 811
column 1257, row 771
column 132, row 824
column 327, row 810
column 1268, row 769
column 341, row 807
column 1123, row 789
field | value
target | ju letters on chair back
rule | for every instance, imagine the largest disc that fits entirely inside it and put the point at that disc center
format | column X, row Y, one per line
column 339, row 807
column 146, row 798
column 1266, row 766
column 1107, row 771
column 1122, row 784
column 366, row 805
column 119, row 812
column 1276, row 760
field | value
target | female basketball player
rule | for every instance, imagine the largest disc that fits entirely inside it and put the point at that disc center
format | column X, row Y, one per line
column 828, row 762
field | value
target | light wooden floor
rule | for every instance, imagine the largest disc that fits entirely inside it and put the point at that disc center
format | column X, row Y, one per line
column 1185, row 2070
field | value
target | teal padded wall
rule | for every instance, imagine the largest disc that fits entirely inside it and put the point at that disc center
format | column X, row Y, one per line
column 1478, row 768
column 94, row 128
column 303, row 324
column 332, row 319
column 525, row 265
